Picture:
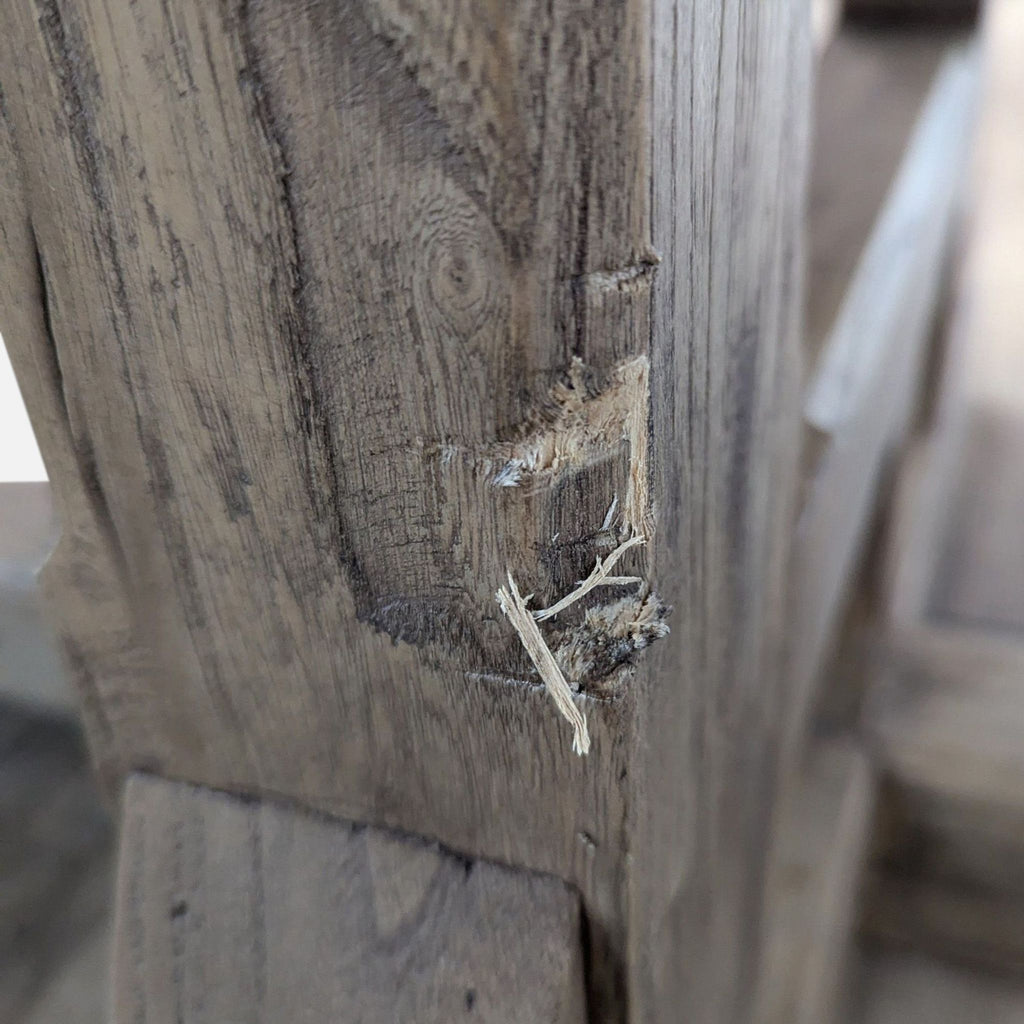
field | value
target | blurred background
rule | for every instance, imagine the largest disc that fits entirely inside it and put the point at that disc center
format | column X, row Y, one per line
column 923, row 915
column 56, row 837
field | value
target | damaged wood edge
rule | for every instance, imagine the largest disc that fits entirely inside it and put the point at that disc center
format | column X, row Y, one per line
column 587, row 428
column 631, row 277
column 515, row 606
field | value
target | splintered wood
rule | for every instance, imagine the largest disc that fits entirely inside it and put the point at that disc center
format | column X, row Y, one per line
column 514, row 605
column 600, row 576
column 586, row 429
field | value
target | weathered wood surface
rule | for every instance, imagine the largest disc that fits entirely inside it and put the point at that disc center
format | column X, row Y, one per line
column 813, row 881
column 725, row 377
column 240, row 910
column 289, row 285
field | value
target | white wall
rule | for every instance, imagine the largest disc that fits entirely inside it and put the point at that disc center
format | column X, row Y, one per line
column 19, row 453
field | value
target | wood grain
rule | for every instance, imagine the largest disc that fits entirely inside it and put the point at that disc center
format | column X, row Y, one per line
column 294, row 273
column 725, row 373
column 239, row 910
column 267, row 549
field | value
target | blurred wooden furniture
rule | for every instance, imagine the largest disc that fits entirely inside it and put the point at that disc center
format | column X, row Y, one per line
column 31, row 669
column 330, row 318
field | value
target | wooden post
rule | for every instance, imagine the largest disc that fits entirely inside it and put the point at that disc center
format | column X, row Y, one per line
column 330, row 316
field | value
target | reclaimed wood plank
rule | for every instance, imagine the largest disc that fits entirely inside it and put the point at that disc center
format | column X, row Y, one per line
column 230, row 909
column 293, row 287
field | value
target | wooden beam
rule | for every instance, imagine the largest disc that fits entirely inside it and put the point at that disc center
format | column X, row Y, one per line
column 230, row 909
column 858, row 146
column 292, row 289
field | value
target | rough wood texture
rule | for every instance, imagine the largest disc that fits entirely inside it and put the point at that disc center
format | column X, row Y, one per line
column 812, row 884
column 287, row 283
column 725, row 377
column 825, row 18
column 242, row 910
